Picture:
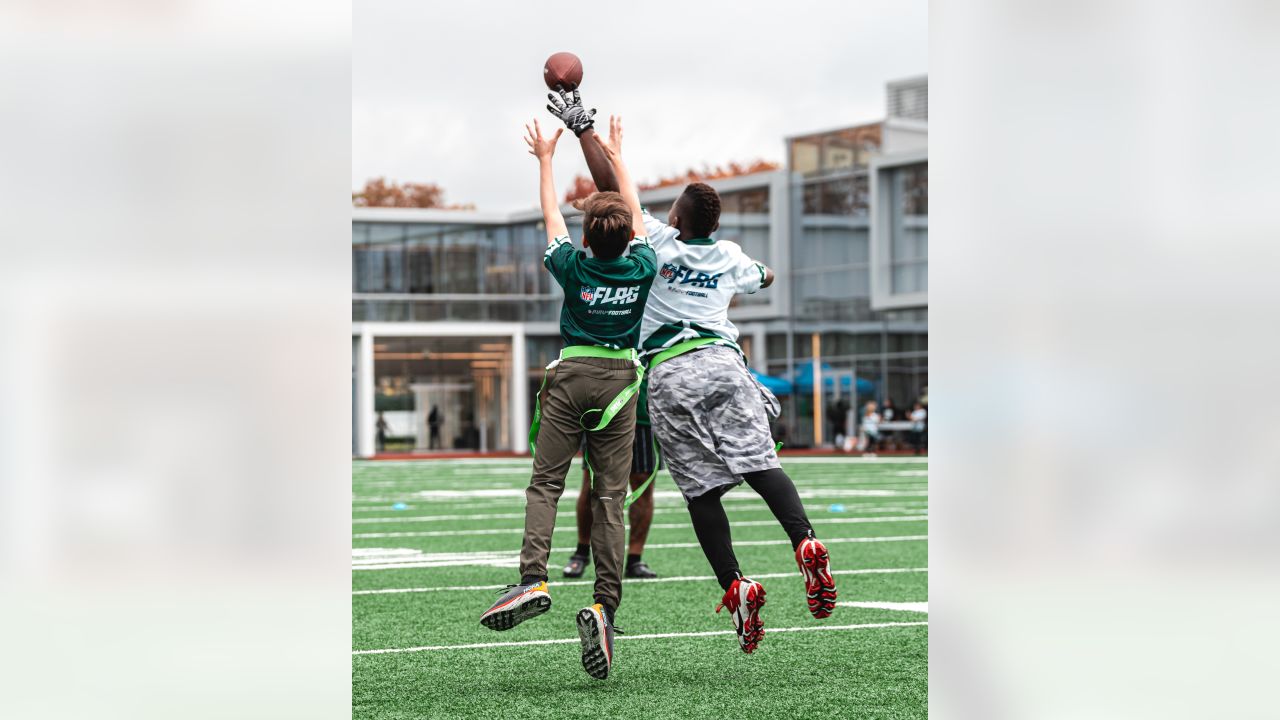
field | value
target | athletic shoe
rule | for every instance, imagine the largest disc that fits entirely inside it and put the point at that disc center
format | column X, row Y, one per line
column 812, row 558
column 640, row 570
column 596, row 633
column 744, row 598
column 577, row 565
column 517, row 604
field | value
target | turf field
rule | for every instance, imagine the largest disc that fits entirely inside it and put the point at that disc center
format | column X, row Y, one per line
column 421, row 576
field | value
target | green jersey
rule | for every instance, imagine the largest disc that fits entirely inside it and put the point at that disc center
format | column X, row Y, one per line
column 603, row 299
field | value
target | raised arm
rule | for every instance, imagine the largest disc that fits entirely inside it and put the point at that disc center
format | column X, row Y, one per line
column 599, row 165
column 613, row 151
column 543, row 148
column 568, row 107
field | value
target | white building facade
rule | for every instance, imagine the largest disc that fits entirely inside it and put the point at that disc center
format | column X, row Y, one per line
column 454, row 317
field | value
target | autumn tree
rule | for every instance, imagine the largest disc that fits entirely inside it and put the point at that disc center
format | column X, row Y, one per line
column 579, row 188
column 582, row 186
column 718, row 172
column 378, row 192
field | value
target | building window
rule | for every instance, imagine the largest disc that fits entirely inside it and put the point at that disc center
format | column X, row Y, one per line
column 755, row 200
column 909, row 228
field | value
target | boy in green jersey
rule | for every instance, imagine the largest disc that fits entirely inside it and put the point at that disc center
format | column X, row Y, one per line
column 590, row 390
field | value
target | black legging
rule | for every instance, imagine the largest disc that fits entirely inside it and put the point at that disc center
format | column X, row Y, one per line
column 711, row 524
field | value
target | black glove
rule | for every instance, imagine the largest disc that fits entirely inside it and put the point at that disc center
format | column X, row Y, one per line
column 569, row 109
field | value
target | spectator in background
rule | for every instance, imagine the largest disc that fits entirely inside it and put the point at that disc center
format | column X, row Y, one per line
column 887, row 413
column 837, row 416
column 871, row 428
column 434, row 422
column 918, row 417
column 382, row 432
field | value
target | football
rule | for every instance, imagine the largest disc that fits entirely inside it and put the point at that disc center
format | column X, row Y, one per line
column 562, row 71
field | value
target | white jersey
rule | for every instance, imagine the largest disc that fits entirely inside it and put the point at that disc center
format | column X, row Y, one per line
column 690, row 294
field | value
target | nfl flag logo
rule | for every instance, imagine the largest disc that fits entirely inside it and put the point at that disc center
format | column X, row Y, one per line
column 587, row 293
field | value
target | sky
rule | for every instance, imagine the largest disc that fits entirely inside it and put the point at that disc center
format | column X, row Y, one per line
column 441, row 91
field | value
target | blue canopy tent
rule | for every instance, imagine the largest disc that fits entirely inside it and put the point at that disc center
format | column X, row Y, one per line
column 804, row 380
column 776, row 385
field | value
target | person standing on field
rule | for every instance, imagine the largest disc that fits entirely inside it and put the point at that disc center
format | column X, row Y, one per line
column 918, row 417
column 433, row 422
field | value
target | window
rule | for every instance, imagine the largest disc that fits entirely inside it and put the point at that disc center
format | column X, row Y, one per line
column 755, row 200
column 909, row 228
column 846, row 196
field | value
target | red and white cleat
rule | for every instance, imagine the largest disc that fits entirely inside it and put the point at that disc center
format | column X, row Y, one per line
column 812, row 558
column 744, row 598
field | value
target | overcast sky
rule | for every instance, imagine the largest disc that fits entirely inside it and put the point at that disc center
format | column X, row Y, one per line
column 440, row 90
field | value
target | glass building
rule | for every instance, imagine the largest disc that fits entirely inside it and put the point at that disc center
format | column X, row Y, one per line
column 454, row 317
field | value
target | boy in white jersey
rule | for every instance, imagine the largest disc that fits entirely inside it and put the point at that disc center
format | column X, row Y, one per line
column 708, row 413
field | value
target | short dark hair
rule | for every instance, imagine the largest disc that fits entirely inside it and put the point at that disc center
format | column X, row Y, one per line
column 699, row 210
column 606, row 224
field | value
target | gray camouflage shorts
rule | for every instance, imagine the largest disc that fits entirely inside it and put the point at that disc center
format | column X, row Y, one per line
column 711, row 418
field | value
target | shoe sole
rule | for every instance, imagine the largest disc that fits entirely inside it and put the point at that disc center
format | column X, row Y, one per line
column 594, row 658
column 817, row 571
column 510, row 617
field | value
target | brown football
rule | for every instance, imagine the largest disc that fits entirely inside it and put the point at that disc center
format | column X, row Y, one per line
column 563, row 70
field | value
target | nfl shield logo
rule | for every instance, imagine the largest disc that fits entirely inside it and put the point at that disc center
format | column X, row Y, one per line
column 587, row 293
column 668, row 271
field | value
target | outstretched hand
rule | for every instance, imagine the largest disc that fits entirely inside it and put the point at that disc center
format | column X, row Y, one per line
column 539, row 146
column 570, row 111
column 613, row 146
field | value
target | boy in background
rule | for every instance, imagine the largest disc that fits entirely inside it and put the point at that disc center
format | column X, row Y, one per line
column 590, row 389
column 645, row 461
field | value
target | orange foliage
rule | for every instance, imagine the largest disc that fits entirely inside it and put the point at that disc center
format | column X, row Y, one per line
column 582, row 185
column 378, row 192
column 718, row 172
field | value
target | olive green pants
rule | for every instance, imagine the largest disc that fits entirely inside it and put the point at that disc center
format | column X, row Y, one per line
column 573, row 387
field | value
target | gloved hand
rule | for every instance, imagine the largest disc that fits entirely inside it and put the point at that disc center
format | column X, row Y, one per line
column 569, row 109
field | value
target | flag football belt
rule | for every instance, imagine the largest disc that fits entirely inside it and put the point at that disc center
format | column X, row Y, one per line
column 675, row 351
column 688, row 346
column 609, row 411
column 665, row 355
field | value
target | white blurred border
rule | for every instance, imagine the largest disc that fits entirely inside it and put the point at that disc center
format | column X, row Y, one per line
column 1102, row 354
column 175, row 314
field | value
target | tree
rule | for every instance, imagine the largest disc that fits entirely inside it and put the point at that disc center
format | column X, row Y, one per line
column 733, row 169
column 583, row 186
column 378, row 192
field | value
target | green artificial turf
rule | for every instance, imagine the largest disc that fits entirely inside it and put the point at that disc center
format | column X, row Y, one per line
column 460, row 514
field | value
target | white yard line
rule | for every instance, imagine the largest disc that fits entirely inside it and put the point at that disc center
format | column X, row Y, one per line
column 403, row 558
column 836, row 460
column 391, row 466
column 851, row 510
column 628, row 581
column 899, row 504
column 919, row 607
column 658, row 526
column 462, row 481
column 515, row 496
column 652, row 636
